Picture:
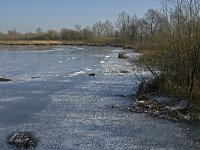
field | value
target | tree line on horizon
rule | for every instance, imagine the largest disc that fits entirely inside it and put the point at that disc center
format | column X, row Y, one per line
column 126, row 29
column 99, row 29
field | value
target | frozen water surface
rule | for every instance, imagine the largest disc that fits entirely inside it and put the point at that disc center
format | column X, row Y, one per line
column 52, row 96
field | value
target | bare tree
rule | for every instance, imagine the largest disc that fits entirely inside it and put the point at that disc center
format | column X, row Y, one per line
column 87, row 33
column 39, row 31
column 154, row 20
column 142, row 29
column 134, row 28
column 98, row 28
column 108, row 28
column 78, row 27
column 123, row 24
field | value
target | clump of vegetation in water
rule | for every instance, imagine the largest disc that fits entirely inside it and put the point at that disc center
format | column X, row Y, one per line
column 122, row 55
column 22, row 140
column 156, row 109
column 4, row 79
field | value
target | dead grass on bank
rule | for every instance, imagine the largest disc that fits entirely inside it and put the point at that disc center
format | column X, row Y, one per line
column 45, row 42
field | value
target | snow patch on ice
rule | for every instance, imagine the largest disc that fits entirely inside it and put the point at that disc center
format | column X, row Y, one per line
column 76, row 73
column 107, row 56
column 88, row 69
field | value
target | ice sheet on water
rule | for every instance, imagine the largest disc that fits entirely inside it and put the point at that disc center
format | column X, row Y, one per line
column 39, row 51
column 117, row 50
column 79, row 48
column 27, row 77
column 11, row 99
column 66, row 81
column 59, row 48
column 44, row 51
column 38, row 92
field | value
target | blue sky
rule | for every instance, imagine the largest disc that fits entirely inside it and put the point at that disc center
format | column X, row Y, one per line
column 28, row 15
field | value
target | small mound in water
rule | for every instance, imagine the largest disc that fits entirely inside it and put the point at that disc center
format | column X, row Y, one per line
column 123, row 71
column 122, row 55
column 91, row 74
column 35, row 77
column 4, row 80
column 23, row 140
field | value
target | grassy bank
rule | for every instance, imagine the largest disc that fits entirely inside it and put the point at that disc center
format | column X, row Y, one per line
column 40, row 42
column 56, row 42
column 178, row 66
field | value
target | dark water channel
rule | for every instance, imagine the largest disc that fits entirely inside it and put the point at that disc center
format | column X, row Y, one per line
column 52, row 96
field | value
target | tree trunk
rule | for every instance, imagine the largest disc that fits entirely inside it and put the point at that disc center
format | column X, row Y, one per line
column 192, row 79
